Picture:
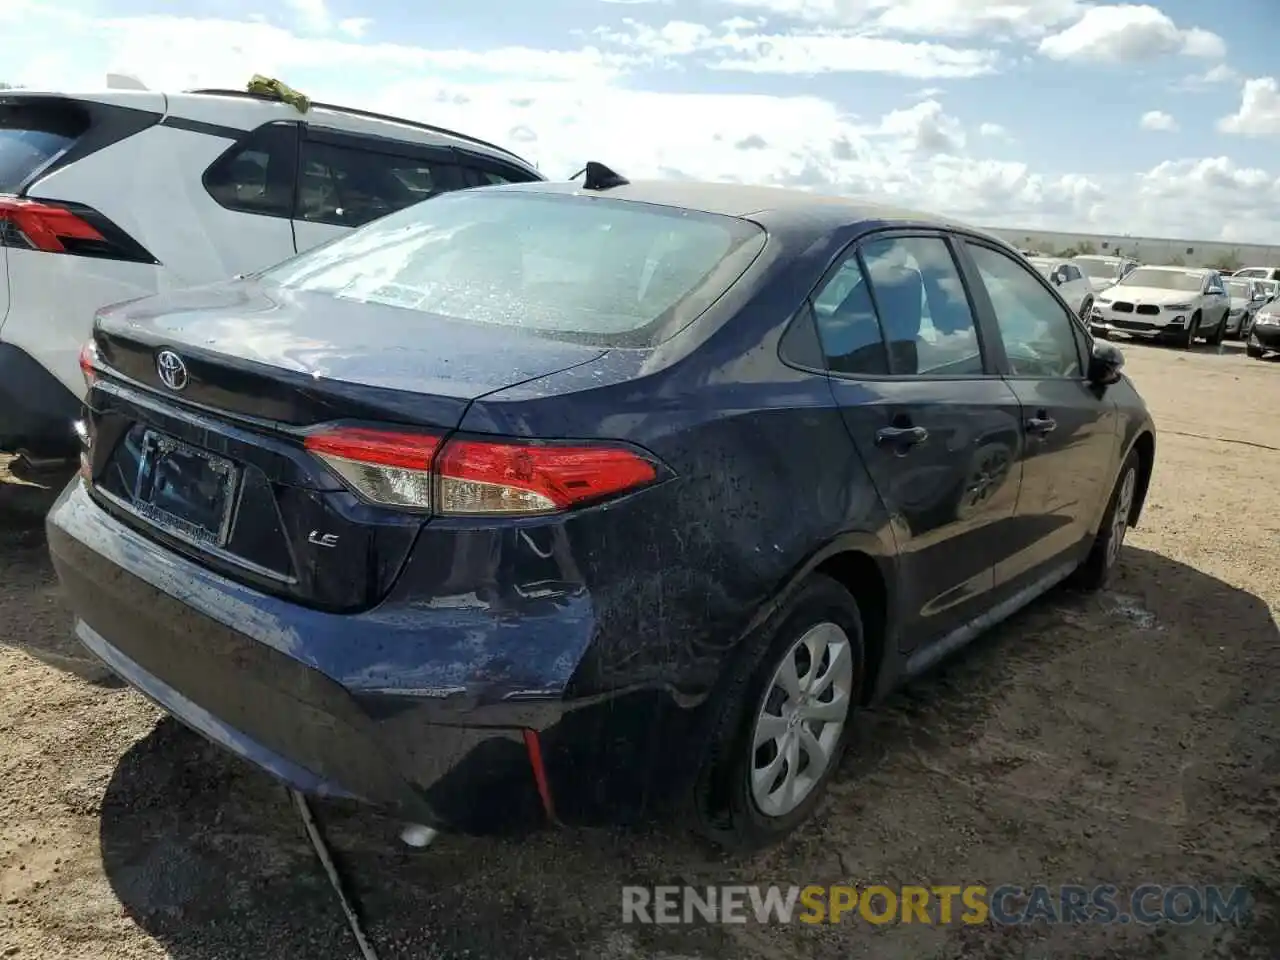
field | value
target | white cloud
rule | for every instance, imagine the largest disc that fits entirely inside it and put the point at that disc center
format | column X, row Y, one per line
column 1219, row 74
column 994, row 131
column 935, row 18
column 1259, row 113
column 1128, row 34
column 312, row 15
column 355, row 27
column 1158, row 120
column 1184, row 189
column 925, row 128
column 738, row 46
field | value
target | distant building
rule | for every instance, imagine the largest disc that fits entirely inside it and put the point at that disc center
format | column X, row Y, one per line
column 1155, row 250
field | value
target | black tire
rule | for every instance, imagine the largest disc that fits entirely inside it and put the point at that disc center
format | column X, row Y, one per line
column 1193, row 331
column 1086, row 309
column 724, row 810
column 1098, row 566
column 1219, row 334
column 1254, row 351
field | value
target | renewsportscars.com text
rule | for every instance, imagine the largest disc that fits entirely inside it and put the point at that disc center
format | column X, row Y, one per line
column 971, row 905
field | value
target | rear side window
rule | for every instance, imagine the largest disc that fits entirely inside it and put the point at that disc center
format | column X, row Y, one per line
column 847, row 323
column 349, row 187
column 490, row 178
column 923, row 307
column 257, row 174
column 590, row 269
column 31, row 135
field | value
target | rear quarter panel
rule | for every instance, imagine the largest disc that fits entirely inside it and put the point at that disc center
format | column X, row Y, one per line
column 765, row 476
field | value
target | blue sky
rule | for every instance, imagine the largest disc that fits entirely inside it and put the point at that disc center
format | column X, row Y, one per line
column 1146, row 119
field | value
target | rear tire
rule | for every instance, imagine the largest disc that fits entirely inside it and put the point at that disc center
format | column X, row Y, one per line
column 1254, row 351
column 1103, row 556
column 783, row 719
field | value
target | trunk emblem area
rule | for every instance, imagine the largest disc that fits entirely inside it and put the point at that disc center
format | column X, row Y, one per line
column 172, row 370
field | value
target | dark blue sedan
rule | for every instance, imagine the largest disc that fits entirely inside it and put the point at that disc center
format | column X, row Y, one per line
column 587, row 501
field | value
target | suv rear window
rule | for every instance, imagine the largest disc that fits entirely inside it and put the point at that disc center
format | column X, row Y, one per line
column 593, row 270
column 33, row 134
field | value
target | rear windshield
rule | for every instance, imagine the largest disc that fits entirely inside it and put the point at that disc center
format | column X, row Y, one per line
column 589, row 269
column 31, row 135
column 1102, row 269
column 1238, row 288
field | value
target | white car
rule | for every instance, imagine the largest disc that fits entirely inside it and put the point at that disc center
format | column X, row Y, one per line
column 1258, row 273
column 1104, row 271
column 1166, row 303
column 122, row 193
column 1070, row 280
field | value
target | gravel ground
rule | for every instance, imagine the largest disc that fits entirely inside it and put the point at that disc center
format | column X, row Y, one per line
column 1125, row 738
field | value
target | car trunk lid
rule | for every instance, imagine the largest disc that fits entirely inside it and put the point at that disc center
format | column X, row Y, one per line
column 212, row 463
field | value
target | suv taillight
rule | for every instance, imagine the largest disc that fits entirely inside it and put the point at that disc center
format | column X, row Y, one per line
column 51, row 227
column 470, row 476
column 43, row 226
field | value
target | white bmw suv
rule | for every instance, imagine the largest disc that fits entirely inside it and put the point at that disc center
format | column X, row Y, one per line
column 122, row 193
column 1171, row 303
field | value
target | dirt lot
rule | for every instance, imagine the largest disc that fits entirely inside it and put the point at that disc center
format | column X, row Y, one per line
column 1127, row 738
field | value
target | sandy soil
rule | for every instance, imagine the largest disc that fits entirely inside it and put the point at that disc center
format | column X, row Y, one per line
column 1126, row 738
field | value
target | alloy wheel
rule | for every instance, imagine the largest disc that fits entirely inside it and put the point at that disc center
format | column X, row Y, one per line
column 1120, row 518
column 801, row 717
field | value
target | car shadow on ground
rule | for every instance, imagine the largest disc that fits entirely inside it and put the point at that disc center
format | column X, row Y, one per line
column 43, row 628
column 208, row 857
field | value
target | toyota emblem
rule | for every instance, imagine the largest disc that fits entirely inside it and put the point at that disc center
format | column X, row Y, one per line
column 173, row 372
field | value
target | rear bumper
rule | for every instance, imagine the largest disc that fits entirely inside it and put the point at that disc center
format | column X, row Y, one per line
column 36, row 410
column 256, row 676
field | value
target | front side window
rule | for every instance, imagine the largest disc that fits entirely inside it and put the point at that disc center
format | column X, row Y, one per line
column 591, row 269
column 1038, row 334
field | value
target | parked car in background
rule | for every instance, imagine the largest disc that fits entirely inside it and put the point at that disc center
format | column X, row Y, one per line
column 1271, row 288
column 1264, row 333
column 1104, row 271
column 1073, row 286
column 390, row 549
column 1171, row 303
column 1259, row 273
column 110, row 195
column 1246, row 299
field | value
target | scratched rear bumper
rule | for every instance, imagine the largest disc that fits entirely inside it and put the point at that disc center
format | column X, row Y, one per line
column 324, row 702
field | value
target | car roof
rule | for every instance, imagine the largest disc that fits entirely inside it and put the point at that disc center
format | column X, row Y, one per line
column 241, row 110
column 779, row 205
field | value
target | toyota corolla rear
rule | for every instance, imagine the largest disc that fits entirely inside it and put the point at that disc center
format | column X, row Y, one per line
column 330, row 516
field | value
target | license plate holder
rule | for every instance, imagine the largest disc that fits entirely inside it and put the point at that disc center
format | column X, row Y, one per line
column 187, row 492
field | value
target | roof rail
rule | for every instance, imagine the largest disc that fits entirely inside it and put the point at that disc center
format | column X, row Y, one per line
column 370, row 115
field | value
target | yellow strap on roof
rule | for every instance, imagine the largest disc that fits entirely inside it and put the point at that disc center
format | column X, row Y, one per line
column 267, row 87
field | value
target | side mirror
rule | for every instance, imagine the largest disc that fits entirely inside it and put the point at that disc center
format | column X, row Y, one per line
column 1105, row 364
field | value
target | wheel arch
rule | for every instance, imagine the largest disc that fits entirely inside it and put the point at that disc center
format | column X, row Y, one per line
column 1144, row 444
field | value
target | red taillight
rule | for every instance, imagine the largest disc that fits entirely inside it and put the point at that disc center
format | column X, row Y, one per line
column 482, row 477
column 89, row 362
column 474, row 477
column 44, row 226
column 383, row 466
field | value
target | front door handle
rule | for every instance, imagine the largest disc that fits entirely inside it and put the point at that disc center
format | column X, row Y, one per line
column 1041, row 425
column 902, row 436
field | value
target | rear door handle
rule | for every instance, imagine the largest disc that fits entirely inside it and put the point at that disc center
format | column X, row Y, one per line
column 1041, row 425
column 902, row 436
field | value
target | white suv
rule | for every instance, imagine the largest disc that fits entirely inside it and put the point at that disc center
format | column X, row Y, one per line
column 122, row 193
column 1164, row 302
